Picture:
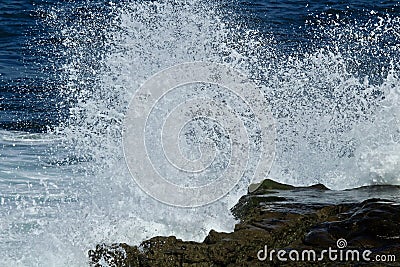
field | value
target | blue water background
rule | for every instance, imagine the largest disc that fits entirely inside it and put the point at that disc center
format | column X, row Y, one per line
column 29, row 83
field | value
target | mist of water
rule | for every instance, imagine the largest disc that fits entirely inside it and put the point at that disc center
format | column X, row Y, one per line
column 337, row 114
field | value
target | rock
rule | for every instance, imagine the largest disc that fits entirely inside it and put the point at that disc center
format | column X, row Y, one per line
column 317, row 186
column 247, row 204
column 266, row 186
column 278, row 223
column 370, row 224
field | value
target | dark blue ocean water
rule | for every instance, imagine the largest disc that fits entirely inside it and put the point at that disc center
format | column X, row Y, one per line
column 27, row 100
column 29, row 88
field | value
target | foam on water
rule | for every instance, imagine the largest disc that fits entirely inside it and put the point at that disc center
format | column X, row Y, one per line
column 337, row 122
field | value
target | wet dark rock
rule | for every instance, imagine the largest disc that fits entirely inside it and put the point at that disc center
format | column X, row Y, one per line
column 370, row 224
column 317, row 186
column 266, row 218
column 247, row 204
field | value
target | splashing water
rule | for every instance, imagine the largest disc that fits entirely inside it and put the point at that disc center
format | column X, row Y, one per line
column 338, row 112
column 335, row 103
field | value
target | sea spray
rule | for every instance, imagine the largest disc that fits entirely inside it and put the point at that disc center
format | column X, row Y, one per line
column 319, row 97
column 101, row 70
column 335, row 99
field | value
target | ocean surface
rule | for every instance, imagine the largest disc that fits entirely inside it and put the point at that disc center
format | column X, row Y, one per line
column 329, row 72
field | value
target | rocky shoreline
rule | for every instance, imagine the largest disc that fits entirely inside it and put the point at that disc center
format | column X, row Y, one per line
column 282, row 217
